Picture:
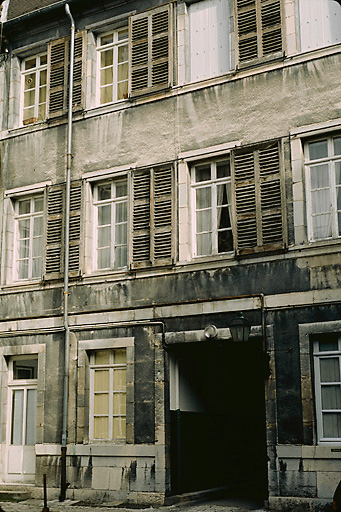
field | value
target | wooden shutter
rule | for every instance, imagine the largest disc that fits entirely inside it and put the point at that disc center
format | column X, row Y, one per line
column 58, row 65
column 54, row 231
column 150, row 51
column 152, row 217
column 259, row 28
column 259, row 203
column 75, row 228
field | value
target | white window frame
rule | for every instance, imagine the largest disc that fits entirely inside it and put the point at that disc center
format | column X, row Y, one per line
column 318, row 356
column 111, row 366
column 37, row 71
column 330, row 161
column 213, row 182
column 114, row 47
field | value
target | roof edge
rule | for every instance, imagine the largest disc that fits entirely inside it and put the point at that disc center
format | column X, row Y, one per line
column 36, row 12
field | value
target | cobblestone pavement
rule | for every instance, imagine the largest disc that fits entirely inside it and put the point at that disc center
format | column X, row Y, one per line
column 34, row 505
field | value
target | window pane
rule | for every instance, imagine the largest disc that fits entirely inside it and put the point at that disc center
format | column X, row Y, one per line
column 104, row 237
column 120, row 380
column 204, row 221
column 37, row 247
column 101, row 403
column 23, row 269
column 24, row 248
column 202, row 173
column 104, row 215
column 37, row 267
column 101, row 380
column 102, row 356
column 42, row 95
column 322, row 226
column 31, row 407
column 30, row 81
column 29, row 115
column 24, row 228
column 121, row 234
column 223, row 220
column 42, row 112
column 121, row 256
column 222, row 194
column 225, row 241
column 38, row 204
column 331, row 397
column 318, row 150
column 120, row 403
column 106, row 94
column 25, row 369
column 325, row 346
column 24, row 206
column 38, row 226
column 104, row 192
column 17, row 416
column 121, row 212
column 204, row 244
column 332, row 425
column 203, row 196
column 321, row 201
column 107, row 76
column 319, row 176
column 107, row 58
column 43, row 59
column 101, row 428
column 223, row 169
column 330, row 369
column 120, row 356
column 122, row 90
column 122, row 34
column 121, row 188
column 337, row 146
column 103, row 258
column 29, row 98
column 30, row 63
column 43, row 77
column 119, row 428
column 107, row 39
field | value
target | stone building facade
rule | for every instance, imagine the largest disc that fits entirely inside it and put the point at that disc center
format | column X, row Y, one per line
column 198, row 177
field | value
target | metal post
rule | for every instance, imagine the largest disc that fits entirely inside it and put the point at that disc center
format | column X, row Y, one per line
column 46, row 508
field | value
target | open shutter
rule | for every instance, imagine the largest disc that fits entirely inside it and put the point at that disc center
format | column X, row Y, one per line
column 141, row 219
column 150, row 51
column 75, row 228
column 259, row 204
column 259, row 28
column 54, row 231
column 58, row 64
column 162, row 216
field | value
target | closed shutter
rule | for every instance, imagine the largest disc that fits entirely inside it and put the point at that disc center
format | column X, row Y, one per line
column 152, row 217
column 75, row 228
column 150, row 51
column 258, row 199
column 58, row 65
column 259, row 28
column 54, row 231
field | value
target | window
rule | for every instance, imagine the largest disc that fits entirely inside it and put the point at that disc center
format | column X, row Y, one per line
column 110, row 202
column 327, row 358
column 209, row 38
column 108, row 394
column 211, row 183
column 323, row 181
column 34, row 85
column 113, row 66
column 259, row 29
column 320, row 23
column 29, row 220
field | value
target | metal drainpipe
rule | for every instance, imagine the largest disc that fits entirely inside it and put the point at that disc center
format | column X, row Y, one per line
column 63, row 483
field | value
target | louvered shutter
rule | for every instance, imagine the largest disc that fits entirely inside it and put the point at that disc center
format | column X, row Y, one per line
column 58, row 65
column 259, row 28
column 162, row 216
column 141, row 218
column 75, row 228
column 258, row 199
column 54, row 231
column 150, row 51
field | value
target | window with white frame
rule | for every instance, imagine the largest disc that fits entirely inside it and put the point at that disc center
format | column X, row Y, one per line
column 108, row 394
column 34, row 89
column 320, row 23
column 112, row 51
column 327, row 370
column 211, row 192
column 323, row 182
column 110, row 202
column 29, row 227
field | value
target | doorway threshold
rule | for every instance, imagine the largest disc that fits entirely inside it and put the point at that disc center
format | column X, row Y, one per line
column 217, row 492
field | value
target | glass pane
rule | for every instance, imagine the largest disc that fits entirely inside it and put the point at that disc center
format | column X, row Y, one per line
column 322, row 226
column 30, row 81
column 104, row 215
column 121, row 188
column 25, row 369
column 104, row 237
column 337, row 173
column 17, row 416
column 321, row 201
column 37, row 247
column 121, row 256
column 203, row 196
column 24, row 228
column 204, row 221
column 107, row 76
column 223, row 220
column 23, row 269
column 38, row 226
column 106, row 94
column 103, row 258
column 123, row 54
column 107, row 39
column 38, row 204
column 319, row 176
column 325, row 346
column 101, row 427
column 24, row 206
column 28, row 115
column 104, row 192
column 31, row 407
column 222, row 195
column 120, row 356
column 107, row 59
column 120, row 380
column 101, row 379
column 122, row 72
column 121, row 234
column 102, row 356
column 330, row 369
column 337, row 146
column 29, row 98
column 42, row 94
column 204, row 244
column 37, row 267
column 101, row 403
column 331, row 397
column 121, row 212
column 43, row 77
column 223, row 169
column 225, row 241
column 318, row 150
column 30, row 63
column 43, row 59
column 202, row 173
column 119, row 428
column 332, row 425
column 42, row 112
column 122, row 34
column 122, row 90
column 24, row 248
column 119, row 403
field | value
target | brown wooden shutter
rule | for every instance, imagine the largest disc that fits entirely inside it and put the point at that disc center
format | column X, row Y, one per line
column 54, row 231
column 141, row 219
column 259, row 28
column 259, row 204
column 58, row 65
column 162, row 216
column 75, row 228
column 150, row 51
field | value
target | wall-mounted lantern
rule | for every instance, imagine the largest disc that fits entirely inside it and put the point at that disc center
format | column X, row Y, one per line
column 240, row 328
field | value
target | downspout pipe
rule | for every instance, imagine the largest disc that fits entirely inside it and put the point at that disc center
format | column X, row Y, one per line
column 63, row 483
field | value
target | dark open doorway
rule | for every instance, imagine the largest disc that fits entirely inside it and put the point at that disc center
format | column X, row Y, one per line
column 218, row 418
